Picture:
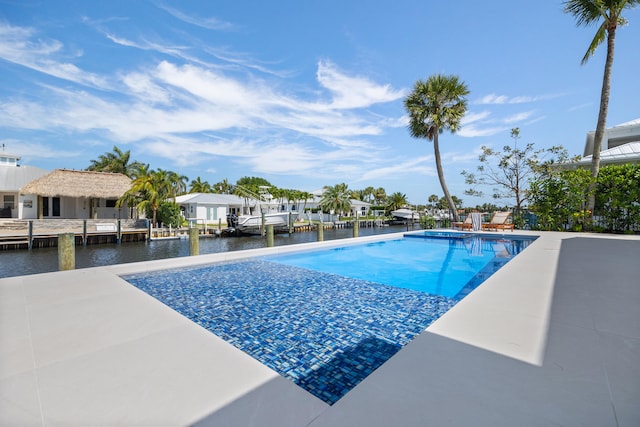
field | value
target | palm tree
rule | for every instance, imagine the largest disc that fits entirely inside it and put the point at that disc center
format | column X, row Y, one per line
column 336, row 198
column 177, row 184
column 434, row 105
column 396, row 201
column 304, row 195
column 116, row 162
column 379, row 195
column 148, row 192
column 199, row 186
column 223, row 187
column 588, row 12
column 359, row 195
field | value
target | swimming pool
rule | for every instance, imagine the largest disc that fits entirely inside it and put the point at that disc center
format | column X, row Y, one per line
column 439, row 263
column 324, row 331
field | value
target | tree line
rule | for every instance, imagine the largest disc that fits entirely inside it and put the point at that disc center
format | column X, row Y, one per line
column 152, row 189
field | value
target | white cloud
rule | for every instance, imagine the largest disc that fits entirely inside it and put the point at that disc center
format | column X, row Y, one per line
column 474, row 131
column 20, row 46
column 34, row 150
column 518, row 117
column 414, row 166
column 503, row 99
column 353, row 92
column 210, row 23
column 474, row 117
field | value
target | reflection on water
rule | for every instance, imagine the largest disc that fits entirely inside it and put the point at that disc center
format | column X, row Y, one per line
column 44, row 260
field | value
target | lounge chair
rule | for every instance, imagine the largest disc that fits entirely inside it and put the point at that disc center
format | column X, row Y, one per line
column 498, row 222
column 464, row 225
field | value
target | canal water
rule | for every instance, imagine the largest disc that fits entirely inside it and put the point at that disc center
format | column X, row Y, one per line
column 44, row 260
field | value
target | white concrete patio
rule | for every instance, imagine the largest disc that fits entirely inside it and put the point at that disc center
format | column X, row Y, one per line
column 553, row 338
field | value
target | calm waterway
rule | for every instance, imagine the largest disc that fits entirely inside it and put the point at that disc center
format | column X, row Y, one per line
column 45, row 260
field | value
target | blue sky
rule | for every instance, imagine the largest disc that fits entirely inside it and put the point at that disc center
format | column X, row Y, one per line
column 302, row 93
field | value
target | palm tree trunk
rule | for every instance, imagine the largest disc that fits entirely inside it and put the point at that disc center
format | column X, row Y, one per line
column 602, row 123
column 443, row 184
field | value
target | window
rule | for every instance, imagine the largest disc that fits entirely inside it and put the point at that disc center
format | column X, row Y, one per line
column 45, row 206
column 56, row 206
column 111, row 203
column 9, row 201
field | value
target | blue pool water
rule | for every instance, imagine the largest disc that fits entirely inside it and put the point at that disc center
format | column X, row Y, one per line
column 325, row 331
column 439, row 263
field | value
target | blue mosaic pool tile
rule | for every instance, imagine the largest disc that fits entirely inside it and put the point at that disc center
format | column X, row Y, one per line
column 324, row 332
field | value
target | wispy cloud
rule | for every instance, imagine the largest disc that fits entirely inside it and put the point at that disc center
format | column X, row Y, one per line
column 143, row 44
column 211, row 23
column 34, row 150
column 353, row 91
column 580, row 107
column 493, row 99
column 485, row 123
column 417, row 166
column 21, row 46
column 170, row 101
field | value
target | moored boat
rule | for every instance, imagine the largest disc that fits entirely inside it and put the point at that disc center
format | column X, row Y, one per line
column 252, row 224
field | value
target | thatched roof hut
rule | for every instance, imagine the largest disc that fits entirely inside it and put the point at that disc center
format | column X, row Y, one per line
column 71, row 183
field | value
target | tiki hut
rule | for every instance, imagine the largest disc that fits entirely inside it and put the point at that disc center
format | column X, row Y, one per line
column 78, row 194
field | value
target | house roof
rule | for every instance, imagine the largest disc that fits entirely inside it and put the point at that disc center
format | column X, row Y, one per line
column 211, row 198
column 614, row 137
column 627, row 153
column 12, row 178
column 72, row 183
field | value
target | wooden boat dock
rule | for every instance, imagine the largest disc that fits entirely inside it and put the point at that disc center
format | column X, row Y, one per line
column 27, row 234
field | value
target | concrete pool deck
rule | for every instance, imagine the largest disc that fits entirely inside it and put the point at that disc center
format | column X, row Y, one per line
column 553, row 338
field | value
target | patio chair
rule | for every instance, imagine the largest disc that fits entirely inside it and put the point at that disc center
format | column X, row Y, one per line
column 464, row 225
column 498, row 222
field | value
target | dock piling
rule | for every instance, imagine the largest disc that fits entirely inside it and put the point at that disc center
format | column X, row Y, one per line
column 290, row 222
column 270, row 235
column 194, row 241
column 320, row 232
column 66, row 251
column 356, row 227
column 30, row 235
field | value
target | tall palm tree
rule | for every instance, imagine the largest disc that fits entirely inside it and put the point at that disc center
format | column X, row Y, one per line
column 176, row 183
column 434, row 106
column 148, row 192
column 336, row 198
column 590, row 12
column 199, row 186
column 304, row 195
column 116, row 162
column 379, row 195
column 223, row 187
column 397, row 200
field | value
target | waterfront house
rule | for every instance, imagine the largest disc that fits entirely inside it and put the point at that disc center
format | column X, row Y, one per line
column 210, row 208
column 14, row 176
column 620, row 144
column 72, row 194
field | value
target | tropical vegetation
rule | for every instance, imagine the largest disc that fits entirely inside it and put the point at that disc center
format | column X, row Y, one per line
column 507, row 172
column 336, row 199
column 116, row 162
column 608, row 14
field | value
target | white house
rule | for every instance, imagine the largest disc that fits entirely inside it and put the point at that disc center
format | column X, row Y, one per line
column 13, row 177
column 210, row 207
column 620, row 144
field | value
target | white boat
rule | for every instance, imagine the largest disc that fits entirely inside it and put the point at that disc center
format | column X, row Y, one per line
column 405, row 214
column 252, row 224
